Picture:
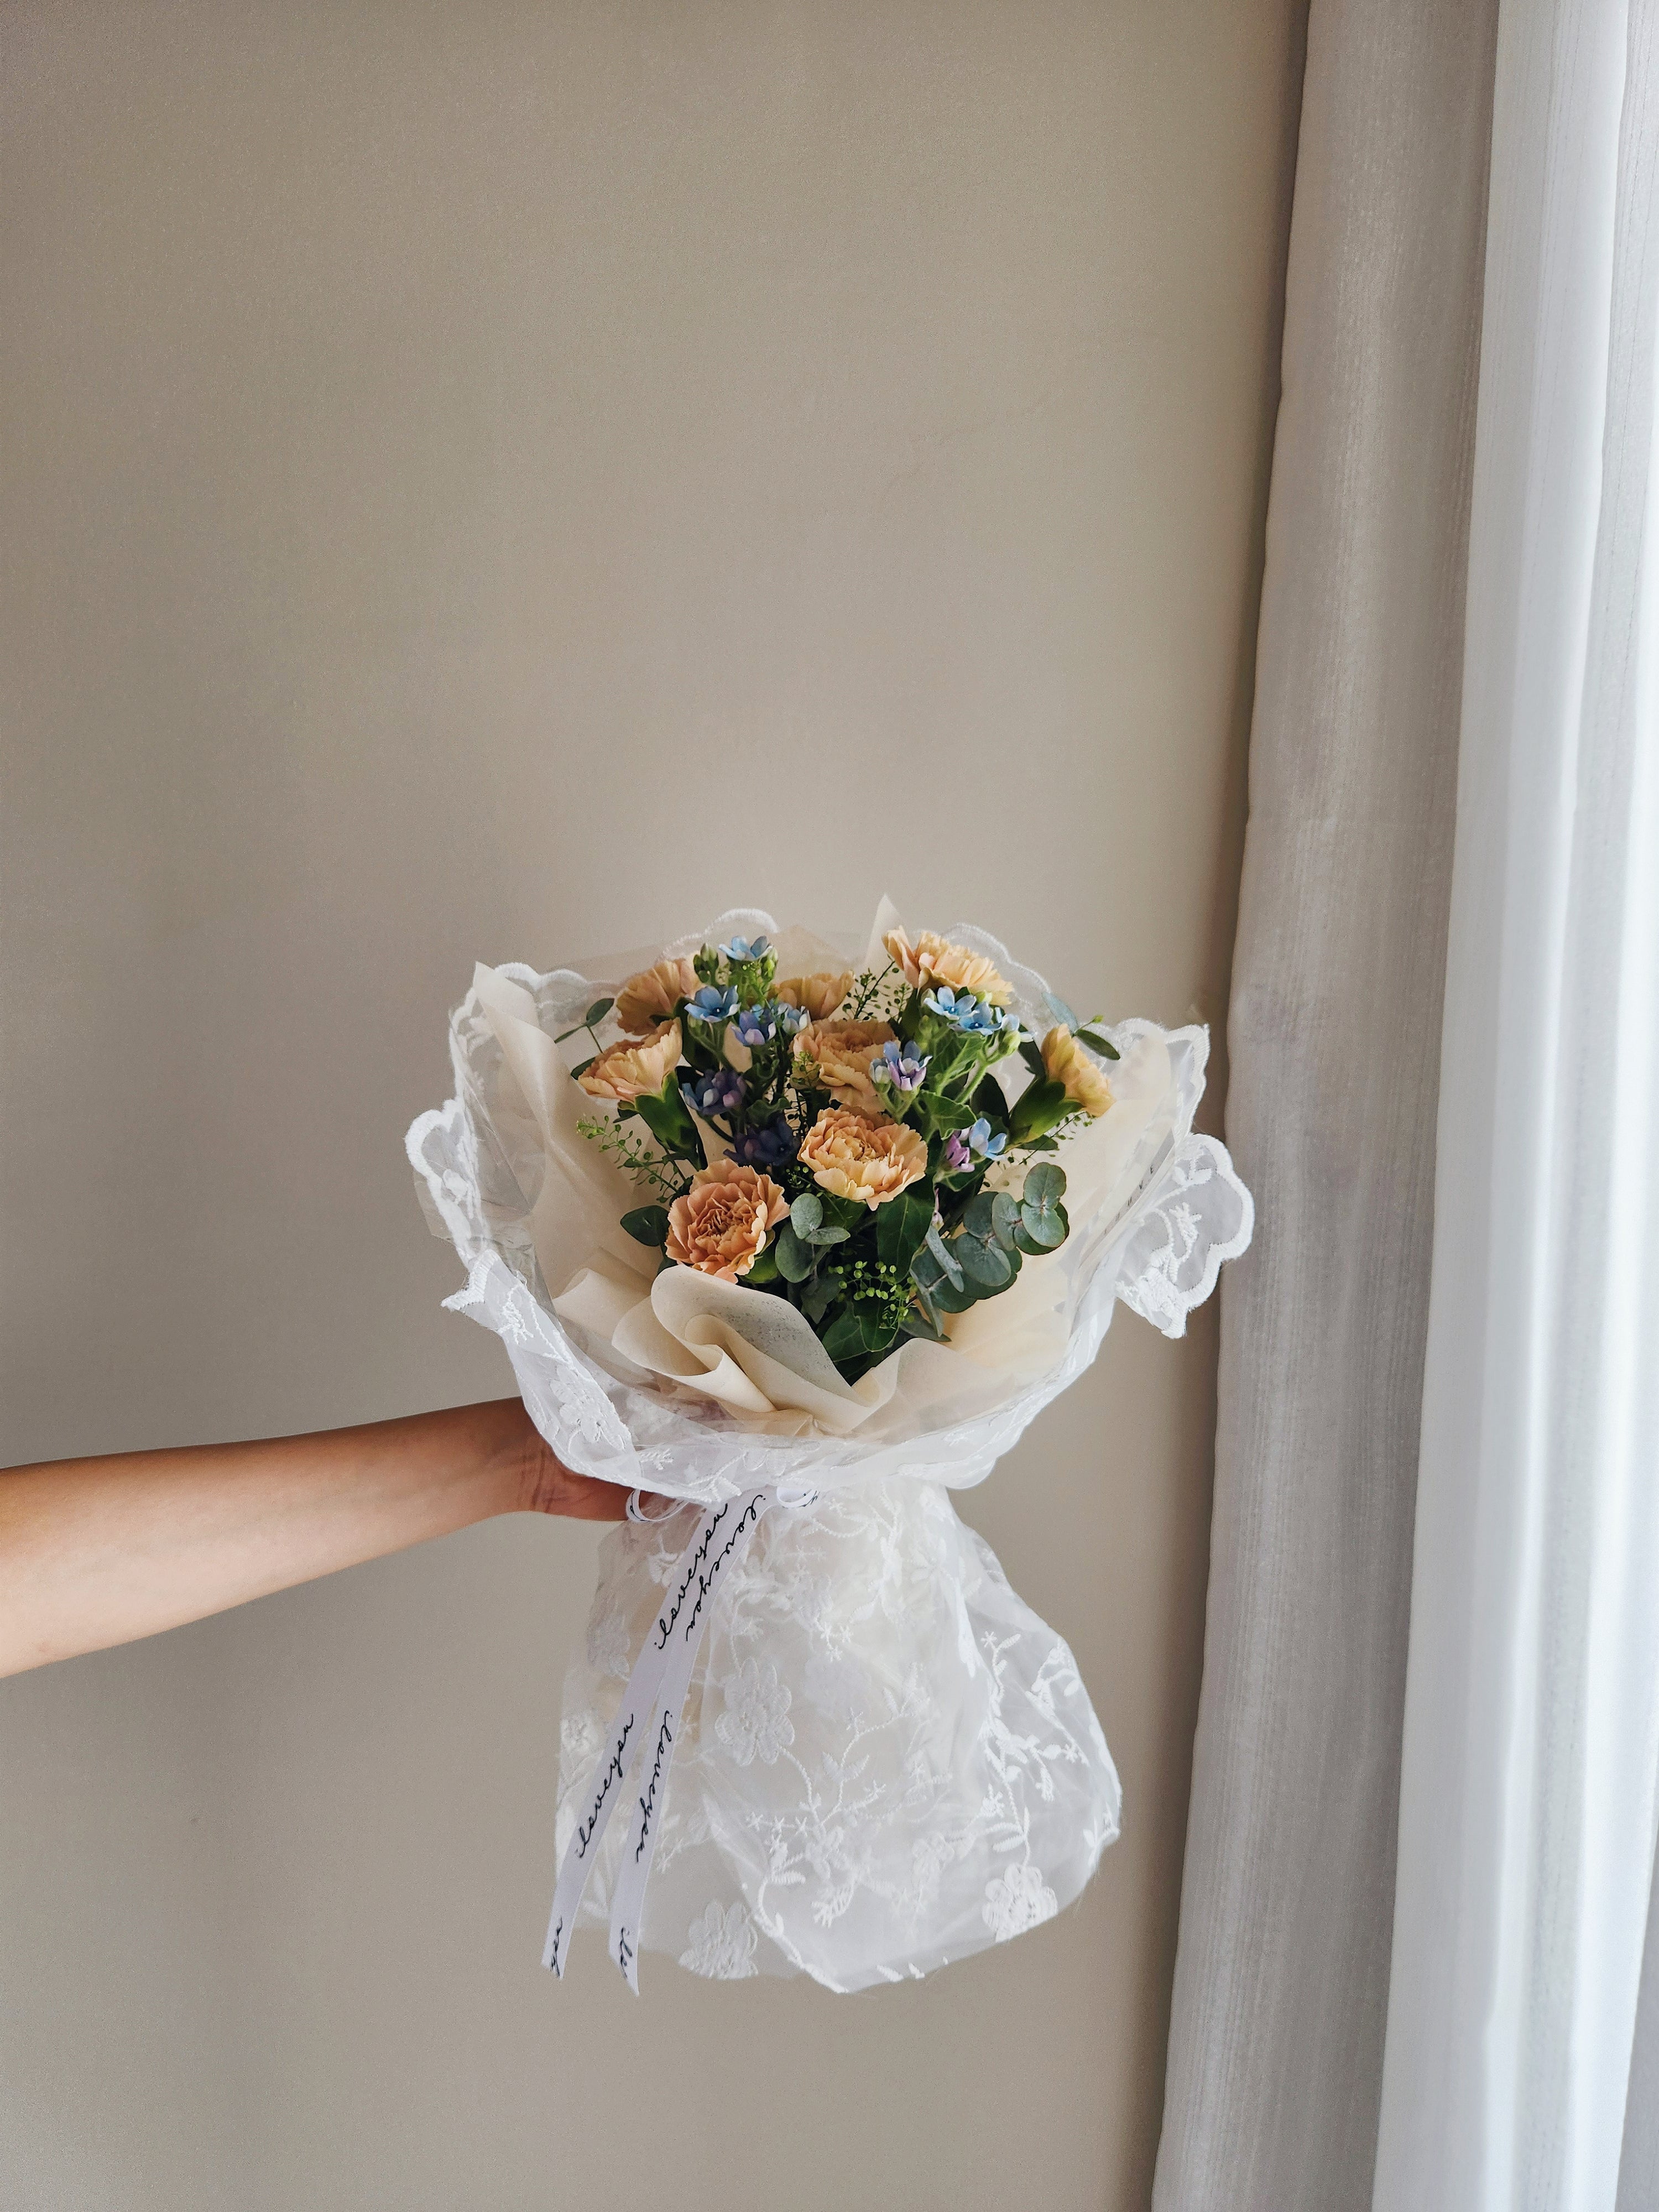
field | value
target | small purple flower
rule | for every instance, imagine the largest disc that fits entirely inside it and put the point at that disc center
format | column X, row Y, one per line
column 980, row 1140
column 722, row 1092
column 955, row 1151
column 712, row 1005
column 756, row 1026
column 767, row 1147
column 740, row 950
column 901, row 1065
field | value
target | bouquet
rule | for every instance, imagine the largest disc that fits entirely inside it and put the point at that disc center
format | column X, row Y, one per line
column 795, row 1243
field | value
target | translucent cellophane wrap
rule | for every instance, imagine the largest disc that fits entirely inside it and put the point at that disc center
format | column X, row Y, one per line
column 887, row 1760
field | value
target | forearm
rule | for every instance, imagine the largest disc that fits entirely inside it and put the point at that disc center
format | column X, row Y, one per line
column 94, row 1551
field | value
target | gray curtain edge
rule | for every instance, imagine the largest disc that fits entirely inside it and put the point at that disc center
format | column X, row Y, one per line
column 1280, row 1998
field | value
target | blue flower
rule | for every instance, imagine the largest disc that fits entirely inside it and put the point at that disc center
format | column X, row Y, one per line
column 980, row 1140
column 722, row 1092
column 757, row 1025
column 975, row 1017
column 901, row 1065
column 711, row 1003
column 768, row 1147
column 740, row 950
column 792, row 1020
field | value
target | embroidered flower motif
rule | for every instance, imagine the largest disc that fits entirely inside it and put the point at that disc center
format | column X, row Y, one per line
column 721, row 1944
column 756, row 1723
column 609, row 1648
column 1018, row 1900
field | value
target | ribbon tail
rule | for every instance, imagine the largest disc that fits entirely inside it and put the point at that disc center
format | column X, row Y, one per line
column 656, row 1692
column 705, row 1562
column 603, row 1795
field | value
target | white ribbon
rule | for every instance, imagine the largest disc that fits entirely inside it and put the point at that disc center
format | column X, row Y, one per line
column 647, row 1722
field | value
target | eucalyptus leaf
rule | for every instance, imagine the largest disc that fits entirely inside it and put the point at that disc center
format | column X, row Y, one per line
column 794, row 1258
column 979, row 1251
column 1097, row 1043
column 1004, row 1214
column 820, row 1237
column 1042, row 1222
column 942, row 1253
column 952, row 1298
column 806, row 1213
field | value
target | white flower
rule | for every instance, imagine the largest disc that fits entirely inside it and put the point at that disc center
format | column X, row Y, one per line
column 721, row 1944
column 756, row 1723
column 1018, row 1900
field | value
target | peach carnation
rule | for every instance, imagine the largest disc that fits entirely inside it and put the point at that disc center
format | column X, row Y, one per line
column 836, row 1057
column 817, row 995
column 634, row 1068
column 1066, row 1062
column 852, row 1156
column 720, row 1225
column 932, row 960
column 654, row 993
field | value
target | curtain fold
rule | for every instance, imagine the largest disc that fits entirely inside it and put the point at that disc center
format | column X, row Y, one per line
column 1281, row 1980
column 1530, row 1778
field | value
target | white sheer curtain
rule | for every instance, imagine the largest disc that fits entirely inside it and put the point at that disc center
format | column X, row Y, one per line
column 1531, row 1745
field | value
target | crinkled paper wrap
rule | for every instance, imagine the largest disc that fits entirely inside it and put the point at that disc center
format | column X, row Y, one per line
column 887, row 1760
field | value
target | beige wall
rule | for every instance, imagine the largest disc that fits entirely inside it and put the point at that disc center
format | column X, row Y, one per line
column 498, row 481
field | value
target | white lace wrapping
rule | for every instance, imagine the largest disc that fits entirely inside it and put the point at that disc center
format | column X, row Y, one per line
column 887, row 1760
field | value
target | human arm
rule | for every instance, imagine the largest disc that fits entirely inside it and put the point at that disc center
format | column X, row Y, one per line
column 95, row 1552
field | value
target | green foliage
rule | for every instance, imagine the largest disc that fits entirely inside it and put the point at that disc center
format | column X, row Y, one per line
column 795, row 1259
column 1036, row 1110
column 647, row 1224
column 596, row 1012
column 936, row 1113
column 983, row 1256
column 1041, row 1225
column 818, row 1297
column 668, row 1117
column 666, row 1175
column 903, row 1226
column 1099, row 1043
